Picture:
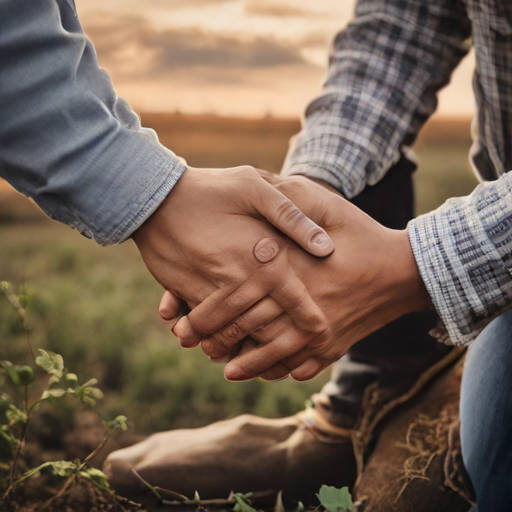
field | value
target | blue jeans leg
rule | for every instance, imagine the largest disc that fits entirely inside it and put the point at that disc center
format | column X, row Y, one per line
column 486, row 415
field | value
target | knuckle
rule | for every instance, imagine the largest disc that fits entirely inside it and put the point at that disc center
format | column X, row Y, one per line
column 266, row 250
column 287, row 211
column 226, row 339
column 238, row 301
column 212, row 349
column 262, row 335
column 245, row 171
column 317, row 326
column 207, row 347
column 297, row 298
column 245, row 322
column 202, row 325
column 233, row 332
column 292, row 185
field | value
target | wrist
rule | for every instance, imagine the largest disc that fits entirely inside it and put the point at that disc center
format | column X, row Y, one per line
column 413, row 292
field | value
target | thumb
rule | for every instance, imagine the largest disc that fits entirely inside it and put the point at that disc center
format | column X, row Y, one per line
column 285, row 216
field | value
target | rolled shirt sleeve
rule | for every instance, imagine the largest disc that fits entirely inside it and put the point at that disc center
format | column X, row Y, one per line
column 464, row 254
column 66, row 139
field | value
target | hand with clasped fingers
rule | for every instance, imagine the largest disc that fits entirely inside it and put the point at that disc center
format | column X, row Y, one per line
column 202, row 239
column 370, row 280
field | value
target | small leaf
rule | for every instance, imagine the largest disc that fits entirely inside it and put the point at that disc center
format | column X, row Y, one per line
column 71, row 377
column 51, row 363
column 335, row 500
column 53, row 395
column 118, row 423
column 10, row 370
column 97, row 477
column 63, row 468
column 242, row 504
column 14, row 416
column 89, row 383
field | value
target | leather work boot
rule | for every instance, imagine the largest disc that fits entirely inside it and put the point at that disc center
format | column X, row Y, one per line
column 297, row 454
column 416, row 464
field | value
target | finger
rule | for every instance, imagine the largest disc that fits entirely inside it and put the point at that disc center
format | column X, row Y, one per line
column 232, row 354
column 310, row 369
column 285, row 216
column 188, row 335
column 300, row 367
column 170, row 306
column 309, row 193
column 278, row 372
column 293, row 296
column 219, row 310
column 223, row 341
column 286, row 341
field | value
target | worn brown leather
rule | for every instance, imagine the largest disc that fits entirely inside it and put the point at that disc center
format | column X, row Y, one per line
column 416, row 465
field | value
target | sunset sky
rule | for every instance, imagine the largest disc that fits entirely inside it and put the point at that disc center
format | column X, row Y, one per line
column 229, row 57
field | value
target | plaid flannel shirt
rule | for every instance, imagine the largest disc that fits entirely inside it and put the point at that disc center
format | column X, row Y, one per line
column 385, row 69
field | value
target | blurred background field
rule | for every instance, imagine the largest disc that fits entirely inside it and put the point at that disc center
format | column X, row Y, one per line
column 98, row 306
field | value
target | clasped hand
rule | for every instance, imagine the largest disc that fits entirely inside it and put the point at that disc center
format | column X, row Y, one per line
column 221, row 230
column 302, row 313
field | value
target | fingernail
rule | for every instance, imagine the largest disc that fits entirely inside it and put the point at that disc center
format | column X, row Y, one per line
column 321, row 240
column 173, row 329
column 323, row 243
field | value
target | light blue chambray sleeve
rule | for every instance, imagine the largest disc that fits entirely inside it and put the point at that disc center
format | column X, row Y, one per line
column 66, row 139
column 464, row 254
column 385, row 70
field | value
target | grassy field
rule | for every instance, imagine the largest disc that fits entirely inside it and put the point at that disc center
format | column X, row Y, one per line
column 98, row 306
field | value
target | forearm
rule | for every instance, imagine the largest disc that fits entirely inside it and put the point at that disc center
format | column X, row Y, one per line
column 463, row 253
column 385, row 70
column 66, row 139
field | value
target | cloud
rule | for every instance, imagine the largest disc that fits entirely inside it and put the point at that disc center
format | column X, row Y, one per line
column 254, row 7
column 131, row 46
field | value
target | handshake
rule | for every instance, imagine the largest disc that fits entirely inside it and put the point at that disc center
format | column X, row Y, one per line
column 281, row 275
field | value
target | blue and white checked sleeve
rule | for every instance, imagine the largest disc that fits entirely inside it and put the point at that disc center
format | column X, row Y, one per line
column 66, row 139
column 385, row 69
column 464, row 254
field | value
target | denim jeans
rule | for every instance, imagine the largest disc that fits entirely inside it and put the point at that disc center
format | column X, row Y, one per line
column 486, row 415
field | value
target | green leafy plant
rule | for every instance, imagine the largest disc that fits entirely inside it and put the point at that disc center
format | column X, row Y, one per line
column 335, row 500
column 243, row 502
column 15, row 415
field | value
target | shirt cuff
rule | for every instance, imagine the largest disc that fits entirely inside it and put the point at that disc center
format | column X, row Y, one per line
column 463, row 254
column 313, row 170
column 118, row 190
column 133, row 211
